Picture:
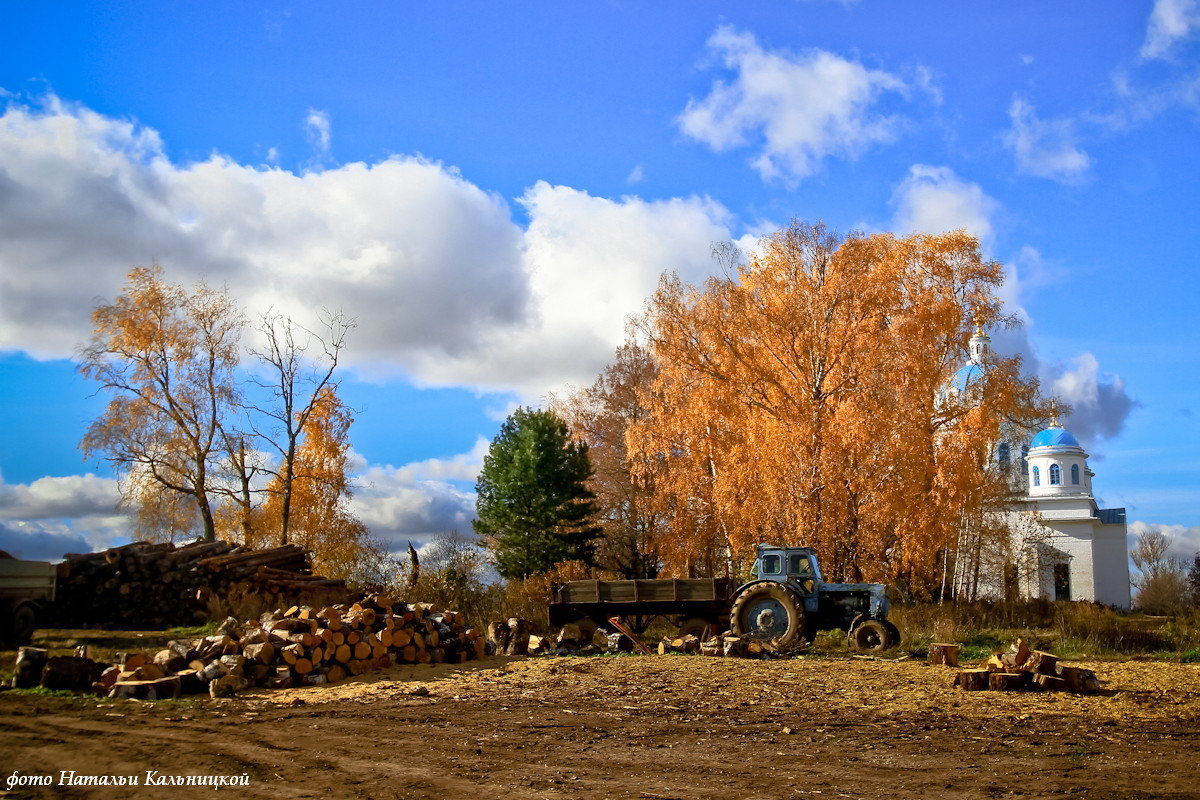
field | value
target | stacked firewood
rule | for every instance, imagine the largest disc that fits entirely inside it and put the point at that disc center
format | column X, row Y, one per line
column 1018, row 668
column 154, row 586
column 303, row 646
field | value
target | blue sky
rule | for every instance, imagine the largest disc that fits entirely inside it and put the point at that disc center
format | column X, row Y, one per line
column 491, row 190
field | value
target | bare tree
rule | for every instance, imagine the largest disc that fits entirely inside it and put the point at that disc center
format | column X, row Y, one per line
column 301, row 365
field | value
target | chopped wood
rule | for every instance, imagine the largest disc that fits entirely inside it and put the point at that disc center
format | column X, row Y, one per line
column 1042, row 663
column 1006, row 681
column 943, row 655
column 972, row 680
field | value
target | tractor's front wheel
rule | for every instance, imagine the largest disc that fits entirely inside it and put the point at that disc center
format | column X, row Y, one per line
column 769, row 610
column 872, row 636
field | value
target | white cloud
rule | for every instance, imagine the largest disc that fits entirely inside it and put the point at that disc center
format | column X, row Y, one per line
column 32, row 544
column 1099, row 403
column 1184, row 539
column 56, row 515
column 51, row 497
column 417, row 501
column 636, row 175
column 592, row 263
column 319, row 129
column 1171, row 23
column 934, row 199
column 1044, row 149
column 799, row 109
column 445, row 287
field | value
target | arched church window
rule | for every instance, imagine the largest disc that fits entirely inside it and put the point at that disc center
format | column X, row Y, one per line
column 1075, row 474
column 1037, row 477
column 1002, row 454
column 1055, row 475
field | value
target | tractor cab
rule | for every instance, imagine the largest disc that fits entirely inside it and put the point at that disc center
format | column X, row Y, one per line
column 793, row 565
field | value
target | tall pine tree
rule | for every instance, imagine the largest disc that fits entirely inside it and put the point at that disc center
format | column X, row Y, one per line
column 534, row 509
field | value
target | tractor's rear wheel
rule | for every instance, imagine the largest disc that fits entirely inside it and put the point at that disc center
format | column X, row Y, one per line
column 769, row 611
column 871, row 636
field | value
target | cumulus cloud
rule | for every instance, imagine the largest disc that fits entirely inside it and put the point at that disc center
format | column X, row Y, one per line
column 1184, row 539
column 934, row 199
column 1044, row 148
column 52, row 497
column 418, row 501
column 445, row 286
column 1099, row 402
column 39, row 545
column 798, row 109
column 56, row 515
column 1171, row 23
column 592, row 263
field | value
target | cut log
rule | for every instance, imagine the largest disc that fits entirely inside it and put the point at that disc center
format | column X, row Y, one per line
column 944, row 655
column 1042, row 663
column 70, row 673
column 972, row 680
column 1079, row 680
column 1006, row 681
column 518, row 643
column 1050, row 683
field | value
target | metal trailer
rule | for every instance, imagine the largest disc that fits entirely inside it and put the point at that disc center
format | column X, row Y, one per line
column 26, row 588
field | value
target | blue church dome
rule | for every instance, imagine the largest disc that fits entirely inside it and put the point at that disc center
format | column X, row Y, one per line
column 967, row 375
column 1054, row 437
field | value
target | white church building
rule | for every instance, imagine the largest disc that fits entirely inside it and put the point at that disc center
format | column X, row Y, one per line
column 1064, row 546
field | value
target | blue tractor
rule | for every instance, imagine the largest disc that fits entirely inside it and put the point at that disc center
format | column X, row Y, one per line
column 788, row 601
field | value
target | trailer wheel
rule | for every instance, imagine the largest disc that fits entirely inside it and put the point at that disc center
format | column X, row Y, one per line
column 768, row 610
column 587, row 630
column 24, row 622
column 894, row 631
column 871, row 636
column 693, row 626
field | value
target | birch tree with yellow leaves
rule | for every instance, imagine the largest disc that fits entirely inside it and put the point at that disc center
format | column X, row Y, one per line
column 797, row 402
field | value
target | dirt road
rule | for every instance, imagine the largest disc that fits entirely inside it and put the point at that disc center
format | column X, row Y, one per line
column 635, row 727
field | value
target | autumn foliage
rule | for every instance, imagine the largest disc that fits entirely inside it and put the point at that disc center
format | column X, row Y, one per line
column 798, row 400
column 193, row 453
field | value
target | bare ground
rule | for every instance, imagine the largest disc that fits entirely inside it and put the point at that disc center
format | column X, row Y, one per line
column 636, row 727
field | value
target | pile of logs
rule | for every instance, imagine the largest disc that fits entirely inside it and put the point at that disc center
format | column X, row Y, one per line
column 155, row 586
column 1017, row 669
column 571, row 641
column 303, row 646
column 512, row 638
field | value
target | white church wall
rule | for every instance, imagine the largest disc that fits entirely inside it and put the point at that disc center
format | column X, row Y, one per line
column 1075, row 540
column 1111, row 566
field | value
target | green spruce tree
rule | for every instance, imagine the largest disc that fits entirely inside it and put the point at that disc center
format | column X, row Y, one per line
column 533, row 508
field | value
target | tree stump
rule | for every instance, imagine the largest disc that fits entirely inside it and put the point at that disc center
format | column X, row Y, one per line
column 943, row 654
column 972, row 680
column 30, row 662
column 1006, row 681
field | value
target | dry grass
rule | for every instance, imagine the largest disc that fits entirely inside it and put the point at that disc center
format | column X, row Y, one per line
column 1078, row 629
